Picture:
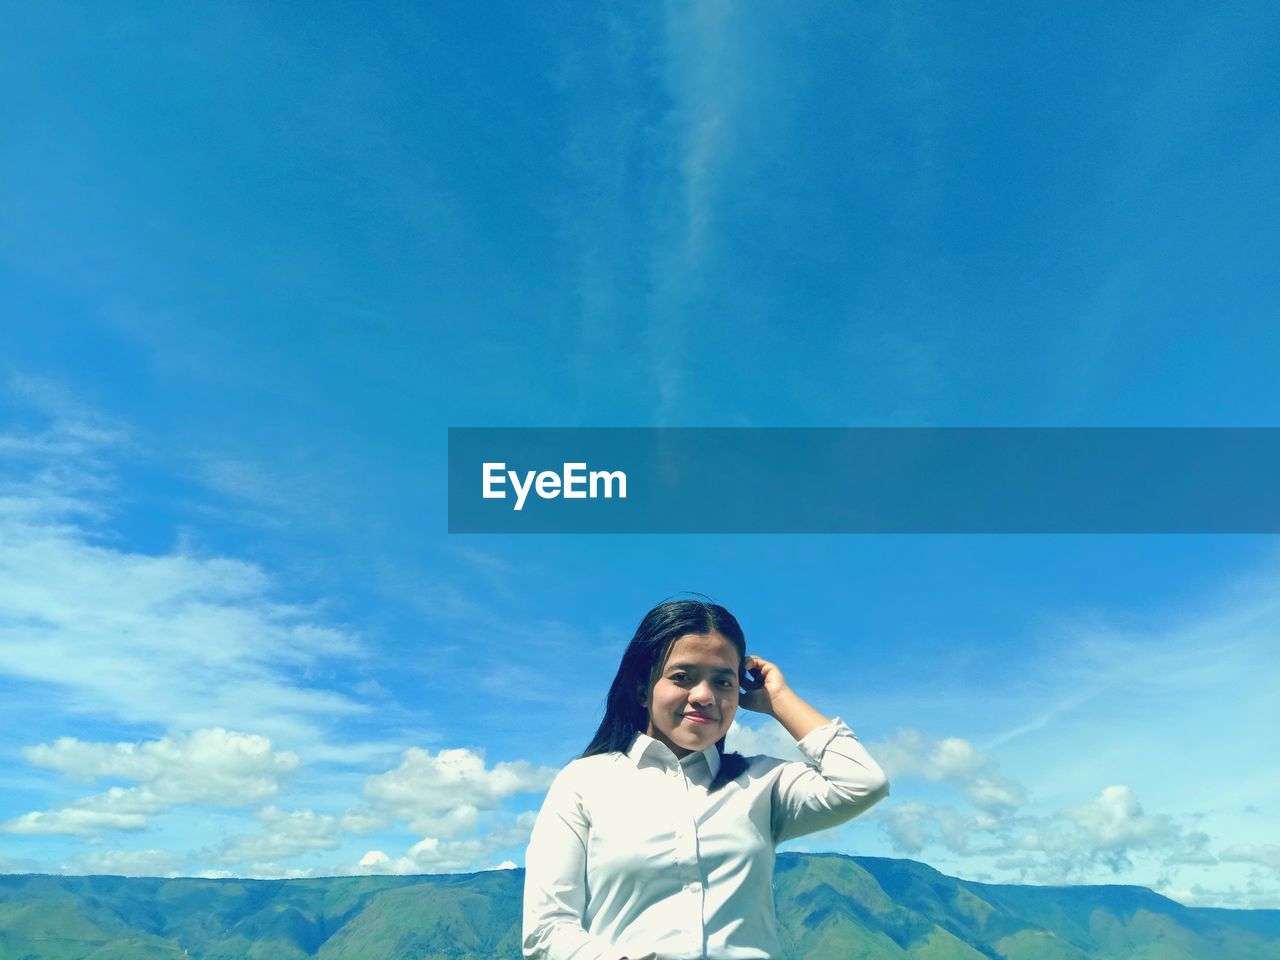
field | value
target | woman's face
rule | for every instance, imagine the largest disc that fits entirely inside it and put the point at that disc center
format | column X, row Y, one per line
column 694, row 698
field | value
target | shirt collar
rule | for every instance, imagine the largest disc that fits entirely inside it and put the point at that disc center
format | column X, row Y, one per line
column 644, row 744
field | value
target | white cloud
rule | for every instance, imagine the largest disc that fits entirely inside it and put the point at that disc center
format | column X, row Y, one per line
column 444, row 793
column 1255, row 894
column 1065, row 846
column 913, row 827
column 907, row 824
column 444, row 796
column 429, row 855
column 128, row 863
column 73, row 821
column 908, row 753
column 433, row 854
column 1116, row 821
column 995, row 794
column 215, row 766
column 770, row 740
column 513, row 832
column 205, row 766
column 1194, row 851
column 361, row 822
column 286, row 834
column 274, row 871
column 373, row 859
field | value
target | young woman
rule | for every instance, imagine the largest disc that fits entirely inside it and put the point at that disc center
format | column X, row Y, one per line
column 655, row 844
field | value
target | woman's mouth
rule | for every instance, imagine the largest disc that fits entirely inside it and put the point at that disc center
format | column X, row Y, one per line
column 698, row 718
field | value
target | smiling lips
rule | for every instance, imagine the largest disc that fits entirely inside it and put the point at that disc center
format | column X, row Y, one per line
column 698, row 718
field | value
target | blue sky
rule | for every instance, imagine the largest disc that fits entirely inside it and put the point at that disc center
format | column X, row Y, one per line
column 256, row 262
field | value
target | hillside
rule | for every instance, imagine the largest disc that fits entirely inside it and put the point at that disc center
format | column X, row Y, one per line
column 829, row 906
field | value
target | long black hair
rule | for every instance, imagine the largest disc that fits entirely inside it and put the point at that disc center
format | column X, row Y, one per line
column 624, row 714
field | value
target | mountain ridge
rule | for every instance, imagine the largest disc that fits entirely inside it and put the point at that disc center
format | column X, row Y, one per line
column 829, row 906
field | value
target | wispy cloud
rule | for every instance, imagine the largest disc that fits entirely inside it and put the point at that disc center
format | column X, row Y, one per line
column 704, row 85
column 290, row 493
column 1264, row 854
column 706, row 88
column 993, row 824
column 1147, row 694
column 1143, row 740
column 1043, row 718
column 462, row 625
column 178, row 640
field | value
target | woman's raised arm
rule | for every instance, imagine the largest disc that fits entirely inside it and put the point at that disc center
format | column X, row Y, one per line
column 840, row 781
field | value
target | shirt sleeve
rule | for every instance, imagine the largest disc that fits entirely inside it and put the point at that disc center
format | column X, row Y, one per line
column 839, row 782
column 555, row 881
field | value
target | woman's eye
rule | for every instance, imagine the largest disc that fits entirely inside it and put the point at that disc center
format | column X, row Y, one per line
column 724, row 683
column 679, row 677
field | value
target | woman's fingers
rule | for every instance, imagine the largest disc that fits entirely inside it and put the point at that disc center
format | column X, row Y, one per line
column 760, row 698
column 768, row 670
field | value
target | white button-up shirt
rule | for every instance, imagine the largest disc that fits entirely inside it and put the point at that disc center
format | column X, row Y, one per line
column 632, row 855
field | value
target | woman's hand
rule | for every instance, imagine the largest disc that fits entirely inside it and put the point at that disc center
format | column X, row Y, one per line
column 779, row 701
column 767, row 697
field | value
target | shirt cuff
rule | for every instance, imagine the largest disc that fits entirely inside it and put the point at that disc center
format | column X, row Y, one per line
column 813, row 743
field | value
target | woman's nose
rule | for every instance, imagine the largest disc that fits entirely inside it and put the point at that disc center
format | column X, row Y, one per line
column 701, row 693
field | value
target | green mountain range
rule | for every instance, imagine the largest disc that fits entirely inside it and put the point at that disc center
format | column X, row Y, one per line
column 829, row 907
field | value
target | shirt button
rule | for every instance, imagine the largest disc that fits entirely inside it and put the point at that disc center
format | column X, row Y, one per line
column 692, row 887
